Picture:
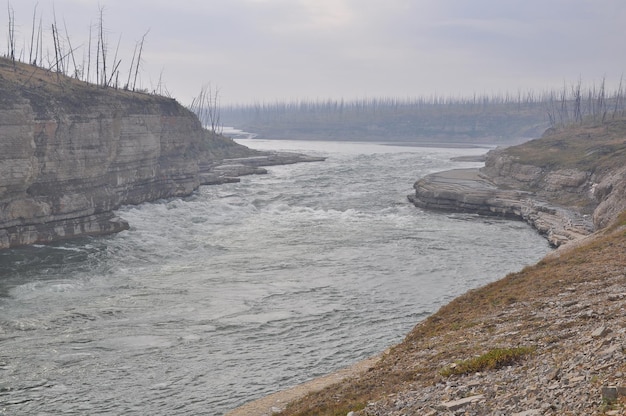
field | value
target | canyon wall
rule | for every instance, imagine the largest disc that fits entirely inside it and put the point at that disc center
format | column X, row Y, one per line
column 72, row 152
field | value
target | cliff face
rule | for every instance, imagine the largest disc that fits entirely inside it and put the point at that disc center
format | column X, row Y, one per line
column 566, row 184
column 71, row 152
column 593, row 186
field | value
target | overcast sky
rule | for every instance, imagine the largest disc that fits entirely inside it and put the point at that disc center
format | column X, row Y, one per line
column 267, row 50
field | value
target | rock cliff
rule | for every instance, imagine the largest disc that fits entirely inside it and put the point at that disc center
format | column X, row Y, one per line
column 566, row 184
column 72, row 152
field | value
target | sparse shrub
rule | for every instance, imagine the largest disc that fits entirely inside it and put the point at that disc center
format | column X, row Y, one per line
column 492, row 360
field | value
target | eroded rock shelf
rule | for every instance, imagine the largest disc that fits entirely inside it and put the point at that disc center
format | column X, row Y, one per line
column 469, row 191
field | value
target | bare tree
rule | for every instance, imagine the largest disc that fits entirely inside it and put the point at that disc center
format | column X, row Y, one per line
column 57, row 53
column 563, row 113
column 59, row 63
column 551, row 110
column 618, row 97
column 206, row 107
column 11, row 39
column 89, row 53
column 602, row 99
column 71, row 51
column 143, row 38
column 32, row 37
column 116, row 63
column 577, row 98
column 130, row 70
column 39, row 46
column 160, row 88
column 102, row 48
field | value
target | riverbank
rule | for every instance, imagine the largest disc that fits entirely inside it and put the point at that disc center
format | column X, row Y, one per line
column 561, row 323
column 277, row 402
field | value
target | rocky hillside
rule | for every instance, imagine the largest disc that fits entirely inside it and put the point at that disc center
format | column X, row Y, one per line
column 72, row 152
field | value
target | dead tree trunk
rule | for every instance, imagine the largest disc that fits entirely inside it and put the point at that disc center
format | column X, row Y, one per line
column 11, row 46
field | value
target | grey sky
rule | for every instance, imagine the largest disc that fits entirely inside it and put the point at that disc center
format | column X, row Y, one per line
column 264, row 50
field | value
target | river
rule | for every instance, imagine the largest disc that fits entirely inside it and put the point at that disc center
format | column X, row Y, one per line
column 243, row 289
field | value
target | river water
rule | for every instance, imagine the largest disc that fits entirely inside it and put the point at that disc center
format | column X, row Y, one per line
column 243, row 289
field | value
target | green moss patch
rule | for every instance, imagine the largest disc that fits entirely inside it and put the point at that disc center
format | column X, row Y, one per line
column 492, row 360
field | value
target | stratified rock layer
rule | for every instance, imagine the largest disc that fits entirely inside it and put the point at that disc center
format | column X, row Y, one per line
column 469, row 191
column 71, row 153
column 573, row 181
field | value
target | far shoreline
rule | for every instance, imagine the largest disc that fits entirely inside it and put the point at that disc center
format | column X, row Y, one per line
column 445, row 145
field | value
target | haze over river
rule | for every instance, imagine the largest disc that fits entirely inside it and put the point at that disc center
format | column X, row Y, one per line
column 243, row 289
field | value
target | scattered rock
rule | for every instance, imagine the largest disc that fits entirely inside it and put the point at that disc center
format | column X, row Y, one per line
column 609, row 394
column 460, row 403
column 600, row 332
column 575, row 380
column 532, row 412
column 574, row 353
column 608, row 353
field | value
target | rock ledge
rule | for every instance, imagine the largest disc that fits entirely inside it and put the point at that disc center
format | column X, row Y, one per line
column 470, row 191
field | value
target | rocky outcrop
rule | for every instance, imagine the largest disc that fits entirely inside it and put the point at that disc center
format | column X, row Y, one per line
column 71, row 153
column 229, row 170
column 610, row 192
column 572, row 183
column 508, row 189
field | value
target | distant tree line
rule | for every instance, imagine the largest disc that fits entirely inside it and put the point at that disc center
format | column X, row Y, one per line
column 479, row 115
column 570, row 104
column 504, row 115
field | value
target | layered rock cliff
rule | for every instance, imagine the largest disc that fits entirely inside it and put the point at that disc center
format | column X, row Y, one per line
column 72, row 152
column 566, row 184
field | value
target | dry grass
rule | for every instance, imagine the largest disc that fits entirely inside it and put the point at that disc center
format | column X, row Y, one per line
column 17, row 78
column 590, row 147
